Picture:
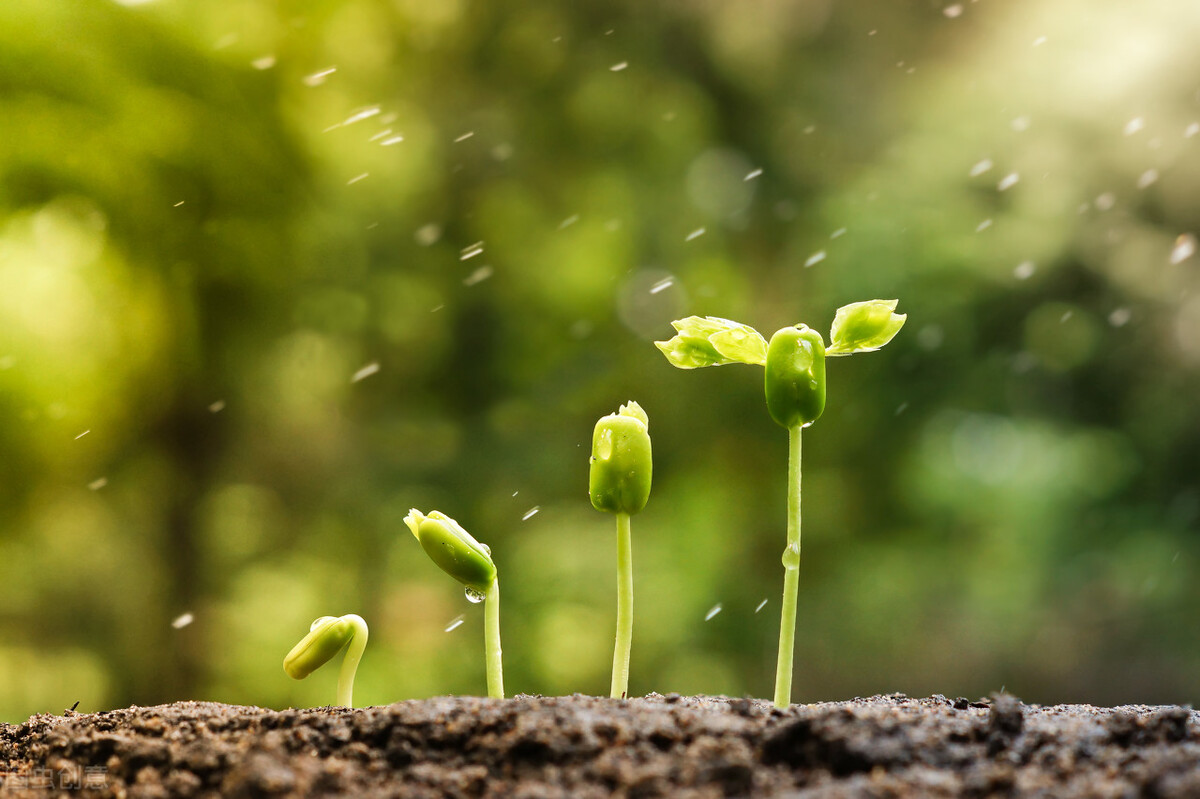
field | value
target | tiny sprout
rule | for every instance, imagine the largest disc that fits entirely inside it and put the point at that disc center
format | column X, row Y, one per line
column 619, row 482
column 458, row 554
column 794, row 384
column 326, row 637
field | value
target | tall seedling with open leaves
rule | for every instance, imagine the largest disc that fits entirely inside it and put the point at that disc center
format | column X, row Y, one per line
column 795, row 390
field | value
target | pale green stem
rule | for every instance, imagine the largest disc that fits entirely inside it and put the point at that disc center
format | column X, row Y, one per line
column 354, row 653
column 791, row 575
column 620, row 673
column 491, row 641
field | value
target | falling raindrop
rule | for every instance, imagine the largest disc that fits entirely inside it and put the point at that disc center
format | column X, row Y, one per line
column 753, row 174
column 761, row 605
column 695, row 234
column 1120, row 317
column 570, row 220
column 216, row 407
column 1020, row 124
column 1191, row 130
column 619, row 66
column 473, row 596
column 1148, row 178
column 1105, row 201
column 266, row 62
column 388, row 142
column 317, row 78
column 81, row 435
column 815, row 258
column 454, row 624
column 98, row 483
column 1024, row 270
column 1134, row 125
column 1008, row 181
column 713, row 611
column 663, row 284
column 1039, row 41
column 428, row 235
column 953, row 11
column 982, row 226
column 838, row 233
column 471, row 251
column 980, row 167
column 478, row 276
column 1185, row 247
column 183, row 620
column 529, row 514
column 465, row 136
column 357, row 178
column 365, row 372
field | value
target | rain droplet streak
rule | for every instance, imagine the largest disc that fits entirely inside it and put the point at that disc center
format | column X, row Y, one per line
column 662, row 285
column 570, row 220
column 428, row 235
column 529, row 514
column 713, row 611
column 1105, row 201
column 618, row 67
column 1147, row 179
column 1020, row 124
column 478, row 276
column 1134, row 125
column 953, row 12
column 980, row 167
column 753, row 174
column 473, row 596
column 838, row 233
column 98, row 483
column 471, row 251
column 317, row 78
column 465, row 136
column 365, row 372
column 695, row 234
column 182, row 621
column 1191, row 130
column 266, row 62
column 1120, row 317
column 454, row 624
column 217, row 406
column 1024, row 270
column 815, row 258
column 1185, row 247
column 388, row 142
column 982, row 226
column 357, row 178
column 81, row 435
column 1008, row 181
column 761, row 605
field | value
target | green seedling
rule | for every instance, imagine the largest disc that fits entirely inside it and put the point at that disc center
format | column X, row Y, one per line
column 794, row 385
column 326, row 637
column 462, row 557
column 619, row 483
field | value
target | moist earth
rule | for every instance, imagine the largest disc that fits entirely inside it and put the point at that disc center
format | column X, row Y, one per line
column 583, row 746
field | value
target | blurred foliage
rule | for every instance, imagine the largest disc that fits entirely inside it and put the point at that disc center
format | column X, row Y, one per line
column 272, row 273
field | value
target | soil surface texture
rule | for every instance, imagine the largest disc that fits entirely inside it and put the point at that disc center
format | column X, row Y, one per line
column 582, row 746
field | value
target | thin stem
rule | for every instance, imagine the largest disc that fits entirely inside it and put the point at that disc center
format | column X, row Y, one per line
column 791, row 575
column 491, row 641
column 354, row 653
column 620, row 674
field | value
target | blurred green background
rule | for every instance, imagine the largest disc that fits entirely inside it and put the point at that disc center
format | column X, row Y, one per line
column 273, row 272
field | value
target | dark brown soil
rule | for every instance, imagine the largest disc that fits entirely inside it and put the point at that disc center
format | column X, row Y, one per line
column 580, row 746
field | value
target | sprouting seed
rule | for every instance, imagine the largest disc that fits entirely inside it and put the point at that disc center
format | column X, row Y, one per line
column 465, row 559
column 326, row 637
column 619, row 476
column 794, row 385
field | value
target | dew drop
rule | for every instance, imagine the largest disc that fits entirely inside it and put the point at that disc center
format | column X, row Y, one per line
column 604, row 447
column 473, row 596
column 791, row 556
